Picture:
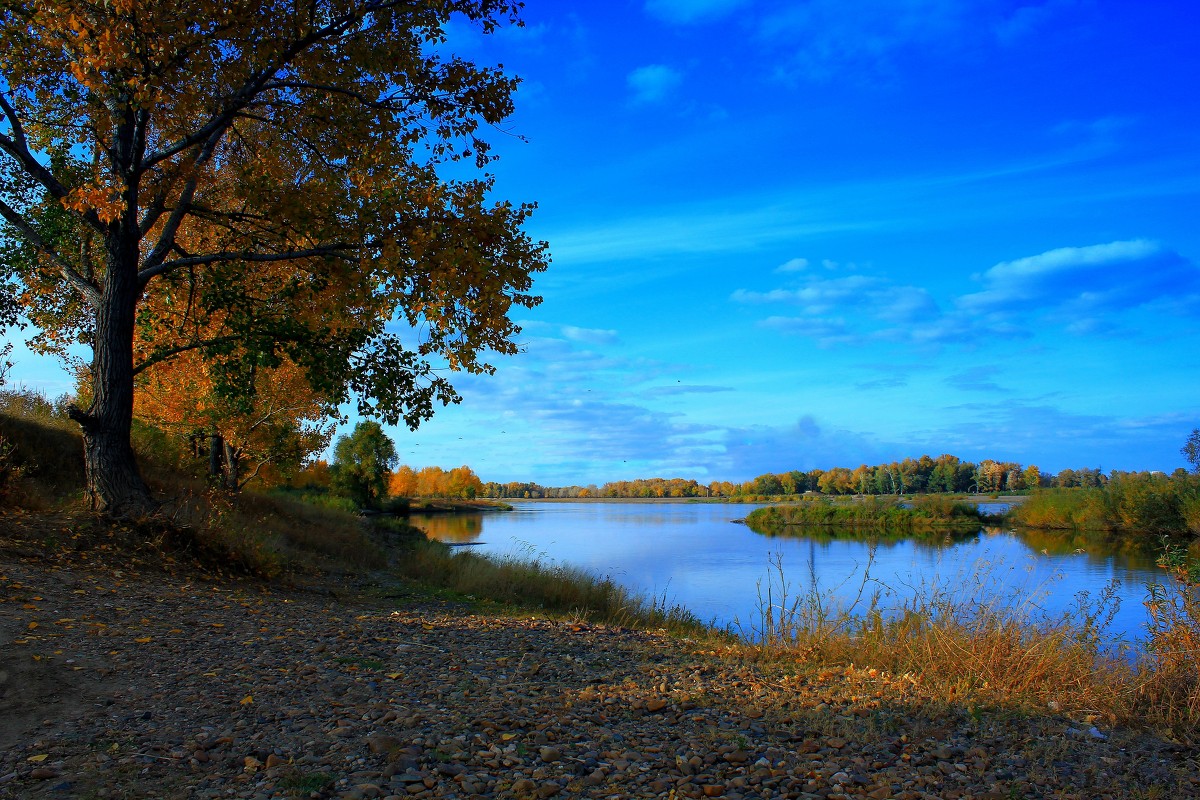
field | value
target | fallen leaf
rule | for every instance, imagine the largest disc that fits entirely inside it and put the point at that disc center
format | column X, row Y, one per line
column 508, row 736
column 395, row 675
column 245, row 701
column 143, row 639
column 38, row 759
column 32, row 625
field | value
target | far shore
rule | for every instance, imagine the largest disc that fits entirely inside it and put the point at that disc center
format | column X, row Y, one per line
column 1012, row 499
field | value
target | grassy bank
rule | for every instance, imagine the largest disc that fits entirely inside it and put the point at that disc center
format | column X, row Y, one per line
column 535, row 582
column 927, row 515
column 1136, row 504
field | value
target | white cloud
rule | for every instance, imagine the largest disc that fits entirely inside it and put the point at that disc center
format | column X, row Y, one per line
column 653, row 83
column 689, row 11
column 794, row 265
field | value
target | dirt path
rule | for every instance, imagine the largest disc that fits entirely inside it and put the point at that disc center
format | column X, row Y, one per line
column 149, row 685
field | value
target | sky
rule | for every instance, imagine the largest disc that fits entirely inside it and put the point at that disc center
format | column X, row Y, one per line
column 790, row 235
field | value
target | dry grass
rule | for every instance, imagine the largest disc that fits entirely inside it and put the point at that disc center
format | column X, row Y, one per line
column 968, row 641
column 41, row 455
column 1171, row 685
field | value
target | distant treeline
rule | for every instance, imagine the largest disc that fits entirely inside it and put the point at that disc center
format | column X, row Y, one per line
column 946, row 473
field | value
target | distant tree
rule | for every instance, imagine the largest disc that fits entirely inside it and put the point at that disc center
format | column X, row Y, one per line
column 1191, row 450
column 1032, row 477
column 768, row 484
column 361, row 464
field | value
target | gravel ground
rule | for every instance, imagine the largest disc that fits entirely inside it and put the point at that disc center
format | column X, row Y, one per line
column 140, row 683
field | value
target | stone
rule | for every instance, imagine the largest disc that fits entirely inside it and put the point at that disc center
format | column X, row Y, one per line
column 379, row 744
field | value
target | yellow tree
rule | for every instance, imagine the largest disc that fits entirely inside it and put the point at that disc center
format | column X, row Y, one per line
column 283, row 423
column 184, row 151
column 402, row 482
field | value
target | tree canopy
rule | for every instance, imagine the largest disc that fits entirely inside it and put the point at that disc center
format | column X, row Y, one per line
column 259, row 184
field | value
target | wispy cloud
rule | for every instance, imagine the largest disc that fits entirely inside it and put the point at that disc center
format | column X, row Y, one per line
column 692, row 11
column 821, row 39
column 1082, row 290
column 653, row 83
column 977, row 379
column 685, row 388
column 591, row 336
column 691, row 231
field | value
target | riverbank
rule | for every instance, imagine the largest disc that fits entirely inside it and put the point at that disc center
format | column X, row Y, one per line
column 157, row 678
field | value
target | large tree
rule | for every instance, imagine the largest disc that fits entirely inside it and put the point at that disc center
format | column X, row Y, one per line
column 257, row 182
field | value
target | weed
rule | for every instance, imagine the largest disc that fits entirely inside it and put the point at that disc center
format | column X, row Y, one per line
column 302, row 784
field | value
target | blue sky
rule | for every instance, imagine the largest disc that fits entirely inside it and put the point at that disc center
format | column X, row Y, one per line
column 807, row 234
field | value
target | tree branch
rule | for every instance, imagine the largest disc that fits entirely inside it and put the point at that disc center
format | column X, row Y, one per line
column 255, row 83
column 89, row 290
column 166, row 355
column 218, row 258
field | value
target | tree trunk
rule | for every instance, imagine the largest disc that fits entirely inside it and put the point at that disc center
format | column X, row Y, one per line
column 215, row 458
column 114, row 483
column 232, row 471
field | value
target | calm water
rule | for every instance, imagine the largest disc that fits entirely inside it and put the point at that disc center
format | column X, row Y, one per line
column 693, row 554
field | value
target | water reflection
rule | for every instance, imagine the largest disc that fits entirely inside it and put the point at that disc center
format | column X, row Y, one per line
column 691, row 554
column 843, row 533
column 450, row 528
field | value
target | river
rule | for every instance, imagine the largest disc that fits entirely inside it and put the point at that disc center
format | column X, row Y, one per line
column 694, row 555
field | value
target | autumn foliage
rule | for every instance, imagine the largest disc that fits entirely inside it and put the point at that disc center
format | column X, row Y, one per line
column 208, row 194
column 461, row 483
